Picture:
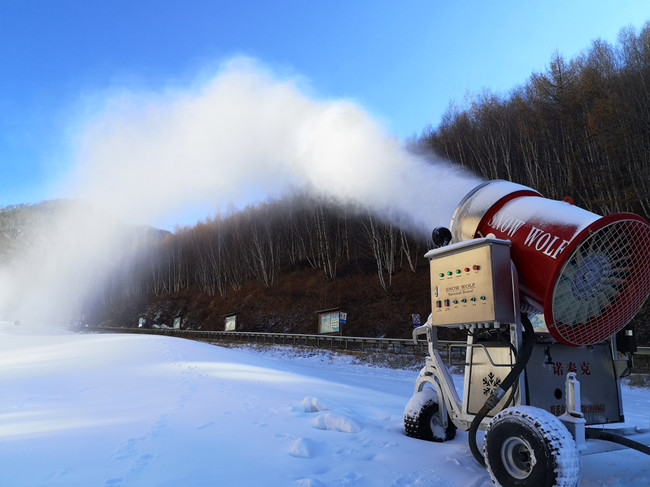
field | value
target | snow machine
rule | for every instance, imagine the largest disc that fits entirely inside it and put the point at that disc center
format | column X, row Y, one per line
column 542, row 288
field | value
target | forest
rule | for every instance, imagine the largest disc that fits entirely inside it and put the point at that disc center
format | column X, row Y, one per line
column 581, row 128
column 269, row 261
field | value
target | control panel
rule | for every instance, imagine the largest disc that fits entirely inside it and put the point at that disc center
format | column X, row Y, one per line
column 472, row 282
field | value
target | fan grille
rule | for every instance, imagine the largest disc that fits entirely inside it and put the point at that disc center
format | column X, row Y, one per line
column 603, row 284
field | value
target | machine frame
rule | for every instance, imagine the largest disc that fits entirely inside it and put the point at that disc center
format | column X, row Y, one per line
column 474, row 286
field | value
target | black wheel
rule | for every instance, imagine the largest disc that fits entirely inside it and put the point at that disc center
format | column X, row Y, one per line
column 526, row 446
column 422, row 420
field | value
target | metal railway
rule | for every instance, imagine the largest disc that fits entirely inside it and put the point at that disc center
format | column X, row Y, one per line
column 452, row 351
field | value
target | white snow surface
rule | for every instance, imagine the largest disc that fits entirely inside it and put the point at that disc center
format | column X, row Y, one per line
column 138, row 410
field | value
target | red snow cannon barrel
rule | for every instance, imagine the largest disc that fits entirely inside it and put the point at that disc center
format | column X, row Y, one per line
column 588, row 274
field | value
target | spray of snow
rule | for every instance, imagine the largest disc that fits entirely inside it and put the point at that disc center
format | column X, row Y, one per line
column 65, row 258
column 245, row 135
column 240, row 136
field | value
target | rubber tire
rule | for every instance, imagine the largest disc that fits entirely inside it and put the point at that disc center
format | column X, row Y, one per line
column 422, row 421
column 525, row 446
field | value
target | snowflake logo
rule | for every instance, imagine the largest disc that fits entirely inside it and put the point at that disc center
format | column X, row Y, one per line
column 490, row 384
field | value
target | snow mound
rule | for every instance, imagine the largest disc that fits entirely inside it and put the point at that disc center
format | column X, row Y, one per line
column 302, row 448
column 313, row 405
column 336, row 422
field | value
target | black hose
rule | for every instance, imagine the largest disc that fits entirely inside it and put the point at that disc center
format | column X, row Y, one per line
column 598, row 434
column 495, row 397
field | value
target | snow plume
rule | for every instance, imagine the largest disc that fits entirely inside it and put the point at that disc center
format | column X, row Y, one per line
column 67, row 258
column 245, row 135
column 236, row 138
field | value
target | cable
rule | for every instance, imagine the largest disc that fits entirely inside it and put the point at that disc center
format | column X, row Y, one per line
column 597, row 434
column 493, row 400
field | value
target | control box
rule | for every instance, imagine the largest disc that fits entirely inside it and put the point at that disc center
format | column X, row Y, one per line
column 472, row 283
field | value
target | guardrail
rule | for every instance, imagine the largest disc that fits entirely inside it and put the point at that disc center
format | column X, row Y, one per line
column 453, row 350
column 328, row 342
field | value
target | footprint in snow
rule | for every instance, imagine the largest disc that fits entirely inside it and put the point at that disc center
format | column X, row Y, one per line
column 309, row 483
column 203, row 426
column 129, row 449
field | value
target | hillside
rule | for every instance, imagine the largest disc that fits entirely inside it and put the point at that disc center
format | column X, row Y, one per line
column 287, row 304
column 290, row 306
column 346, row 278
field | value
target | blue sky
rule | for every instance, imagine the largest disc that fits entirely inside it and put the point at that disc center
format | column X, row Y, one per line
column 403, row 62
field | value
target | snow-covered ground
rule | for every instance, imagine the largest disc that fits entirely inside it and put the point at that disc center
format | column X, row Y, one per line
column 132, row 410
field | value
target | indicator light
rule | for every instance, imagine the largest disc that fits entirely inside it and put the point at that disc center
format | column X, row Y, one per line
column 472, row 299
column 455, row 301
column 442, row 274
column 438, row 304
column 446, row 302
column 476, row 267
column 457, row 271
column 466, row 269
column 482, row 298
column 449, row 273
column 463, row 300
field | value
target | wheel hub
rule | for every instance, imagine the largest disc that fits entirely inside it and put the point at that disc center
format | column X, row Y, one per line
column 518, row 458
